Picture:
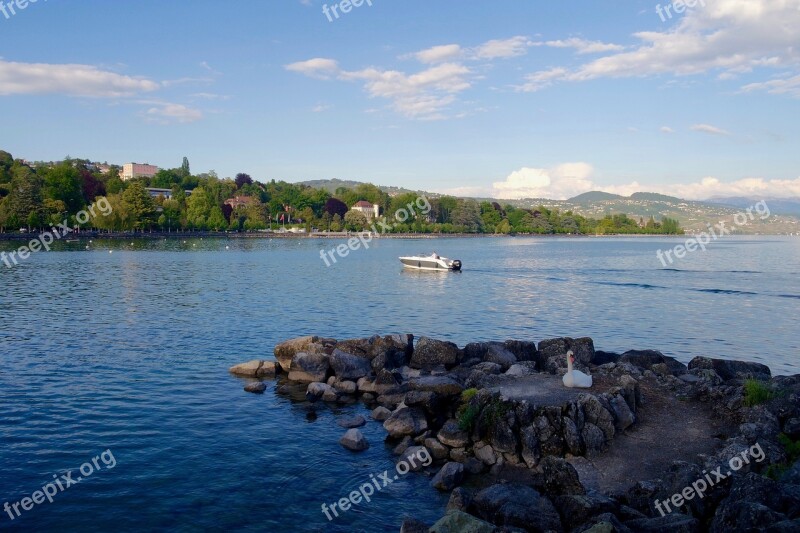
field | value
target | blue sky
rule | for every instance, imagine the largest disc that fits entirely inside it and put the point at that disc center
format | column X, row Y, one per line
column 509, row 98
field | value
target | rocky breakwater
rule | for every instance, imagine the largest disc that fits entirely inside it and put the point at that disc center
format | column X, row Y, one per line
column 497, row 412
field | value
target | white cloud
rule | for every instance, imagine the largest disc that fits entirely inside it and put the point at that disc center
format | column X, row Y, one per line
column 666, row 129
column 790, row 86
column 730, row 37
column 438, row 54
column 502, row 48
column 166, row 113
column 318, row 67
column 582, row 46
column 69, row 79
column 423, row 95
column 711, row 130
column 571, row 179
column 557, row 183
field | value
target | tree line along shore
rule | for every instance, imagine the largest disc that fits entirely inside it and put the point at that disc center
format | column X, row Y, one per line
column 34, row 197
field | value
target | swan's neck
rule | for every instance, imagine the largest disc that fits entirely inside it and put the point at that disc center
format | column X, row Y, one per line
column 569, row 365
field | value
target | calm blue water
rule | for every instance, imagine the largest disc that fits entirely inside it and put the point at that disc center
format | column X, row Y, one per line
column 129, row 352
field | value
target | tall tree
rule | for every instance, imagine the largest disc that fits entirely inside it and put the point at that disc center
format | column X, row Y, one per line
column 140, row 205
column 185, row 170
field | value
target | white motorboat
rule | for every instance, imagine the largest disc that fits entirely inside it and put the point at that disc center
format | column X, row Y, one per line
column 430, row 262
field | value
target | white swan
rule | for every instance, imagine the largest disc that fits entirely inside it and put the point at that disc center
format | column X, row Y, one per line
column 575, row 379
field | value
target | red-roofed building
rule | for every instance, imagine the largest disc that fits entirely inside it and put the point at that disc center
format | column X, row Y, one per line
column 241, row 201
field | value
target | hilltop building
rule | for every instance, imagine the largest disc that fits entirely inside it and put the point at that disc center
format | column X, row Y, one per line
column 135, row 170
column 369, row 210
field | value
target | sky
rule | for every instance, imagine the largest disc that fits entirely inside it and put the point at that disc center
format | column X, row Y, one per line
column 509, row 99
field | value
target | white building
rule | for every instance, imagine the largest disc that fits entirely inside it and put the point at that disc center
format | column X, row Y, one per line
column 369, row 210
column 136, row 170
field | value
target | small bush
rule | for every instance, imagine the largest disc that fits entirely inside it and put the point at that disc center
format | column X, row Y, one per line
column 792, row 449
column 467, row 417
column 468, row 394
column 757, row 392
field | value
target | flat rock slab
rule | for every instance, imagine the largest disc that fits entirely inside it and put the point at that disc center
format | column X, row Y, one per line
column 545, row 390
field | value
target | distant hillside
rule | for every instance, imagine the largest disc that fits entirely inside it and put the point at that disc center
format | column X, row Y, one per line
column 778, row 206
column 693, row 215
column 594, row 196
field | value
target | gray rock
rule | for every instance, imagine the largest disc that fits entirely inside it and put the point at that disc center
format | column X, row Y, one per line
column 285, row 351
column 488, row 368
column 461, row 522
column 452, row 435
column 403, row 445
column 515, row 505
column 349, row 367
column 354, row 422
column 354, row 440
column 560, row 477
column 255, row 369
column 522, row 350
column 380, row 413
column 441, row 385
column 486, row 455
column 315, row 391
column 729, row 370
column 449, row 477
column 576, row 510
column 430, row 353
column 309, row 367
column 415, row 457
column 531, row 452
column 647, row 359
column 497, row 353
column 460, row 500
column 345, row 387
column 676, row 522
column 412, row 525
column 623, row 416
column 256, row 388
column 583, row 349
column 406, row 421
column 525, row 368
column 438, row 450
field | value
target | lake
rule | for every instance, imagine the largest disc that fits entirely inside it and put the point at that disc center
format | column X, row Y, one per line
column 128, row 352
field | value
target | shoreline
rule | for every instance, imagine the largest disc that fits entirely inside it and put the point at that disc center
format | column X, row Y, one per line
column 326, row 236
column 540, row 456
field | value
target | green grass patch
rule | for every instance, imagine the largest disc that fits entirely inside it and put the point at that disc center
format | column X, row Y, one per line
column 757, row 392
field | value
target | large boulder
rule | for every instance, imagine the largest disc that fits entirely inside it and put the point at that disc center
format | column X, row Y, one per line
column 517, row 506
column 309, row 367
column 430, row 353
column 255, row 369
column 674, row 523
column 522, row 350
column 499, row 354
column 348, row 366
column 576, row 510
column 256, row 387
column 728, row 370
column 285, row 351
column 560, row 477
column 452, row 435
column 406, row 421
column 449, row 477
column 755, row 503
column 461, row 522
column 647, row 359
column 440, row 385
column 552, row 355
column 315, row 391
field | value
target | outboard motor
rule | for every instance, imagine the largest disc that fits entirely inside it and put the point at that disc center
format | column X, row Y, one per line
column 456, row 264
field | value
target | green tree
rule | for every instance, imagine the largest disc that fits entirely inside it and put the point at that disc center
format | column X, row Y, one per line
column 185, row 170
column 140, row 205
column 355, row 220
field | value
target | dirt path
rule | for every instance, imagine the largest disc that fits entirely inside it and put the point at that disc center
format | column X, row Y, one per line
column 667, row 430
